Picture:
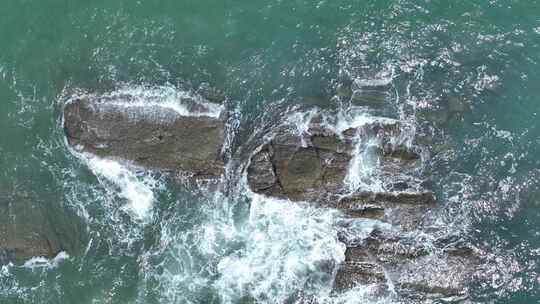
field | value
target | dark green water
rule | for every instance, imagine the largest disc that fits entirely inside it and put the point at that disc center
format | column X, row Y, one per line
column 267, row 55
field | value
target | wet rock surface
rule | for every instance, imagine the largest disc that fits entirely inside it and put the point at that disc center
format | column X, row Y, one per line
column 400, row 265
column 404, row 209
column 314, row 166
column 287, row 167
column 317, row 174
column 154, row 136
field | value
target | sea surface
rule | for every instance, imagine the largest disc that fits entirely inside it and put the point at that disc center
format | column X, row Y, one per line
column 466, row 73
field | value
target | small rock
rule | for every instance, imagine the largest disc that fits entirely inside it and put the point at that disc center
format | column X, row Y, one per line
column 261, row 175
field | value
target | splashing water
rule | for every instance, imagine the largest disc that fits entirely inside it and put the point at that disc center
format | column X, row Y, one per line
column 288, row 248
column 280, row 250
column 136, row 190
column 37, row 262
column 361, row 172
column 182, row 102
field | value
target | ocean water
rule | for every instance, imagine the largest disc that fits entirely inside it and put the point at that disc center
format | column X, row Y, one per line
column 463, row 73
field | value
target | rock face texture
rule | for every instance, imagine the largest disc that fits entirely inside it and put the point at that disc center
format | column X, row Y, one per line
column 26, row 230
column 395, row 264
column 154, row 137
column 315, row 166
column 286, row 167
column 403, row 209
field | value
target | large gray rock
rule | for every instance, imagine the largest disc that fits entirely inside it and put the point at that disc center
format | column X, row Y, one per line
column 30, row 228
column 151, row 136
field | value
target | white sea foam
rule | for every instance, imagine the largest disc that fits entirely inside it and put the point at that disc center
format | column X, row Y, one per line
column 36, row 262
column 361, row 294
column 362, row 168
column 348, row 118
column 301, row 121
column 356, row 117
column 287, row 248
column 166, row 97
column 280, row 249
column 375, row 82
column 135, row 189
column 182, row 102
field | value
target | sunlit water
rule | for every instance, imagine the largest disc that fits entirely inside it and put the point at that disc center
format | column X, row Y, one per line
column 463, row 74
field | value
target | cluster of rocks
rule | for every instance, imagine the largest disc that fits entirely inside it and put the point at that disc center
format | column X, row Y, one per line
column 311, row 166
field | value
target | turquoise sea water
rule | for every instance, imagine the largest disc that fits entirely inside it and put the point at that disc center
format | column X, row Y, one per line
column 470, row 68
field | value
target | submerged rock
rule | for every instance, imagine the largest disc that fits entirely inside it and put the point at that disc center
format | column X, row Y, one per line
column 370, row 92
column 457, row 105
column 185, row 140
column 369, row 97
column 28, row 229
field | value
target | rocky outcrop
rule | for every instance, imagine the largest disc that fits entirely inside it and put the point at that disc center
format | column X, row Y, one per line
column 316, row 162
column 27, row 230
column 153, row 136
column 314, row 165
